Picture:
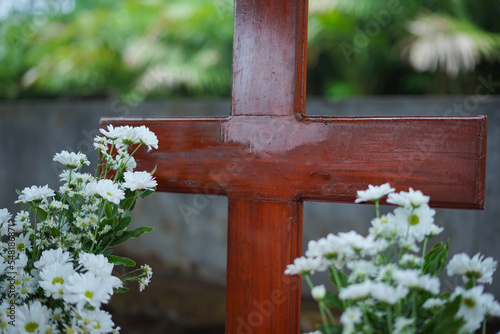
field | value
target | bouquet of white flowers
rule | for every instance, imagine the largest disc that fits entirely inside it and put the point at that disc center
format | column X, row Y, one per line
column 56, row 267
column 387, row 281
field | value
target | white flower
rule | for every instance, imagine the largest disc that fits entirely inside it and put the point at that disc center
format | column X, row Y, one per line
column 411, row 198
column 415, row 222
column 411, row 259
column 387, row 293
column 373, row 193
column 96, row 321
column 332, row 248
column 147, row 137
column 71, row 160
column 471, row 307
column 433, row 303
column 356, row 291
column 402, row 325
column 412, row 279
column 86, row 288
column 351, row 316
column 100, row 267
column 35, row 193
column 32, row 318
column 478, row 268
column 306, row 265
column 386, row 227
column 53, row 277
column 361, row 269
column 318, row 292
column 139, row 180
column 358, row 243
column 113, row 133
column 106, row 189
column 51, row 256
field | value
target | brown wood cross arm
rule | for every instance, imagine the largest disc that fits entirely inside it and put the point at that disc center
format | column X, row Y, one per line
column 268, row 157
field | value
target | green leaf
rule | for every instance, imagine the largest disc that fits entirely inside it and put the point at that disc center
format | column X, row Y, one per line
column 119, row 260
column 123, row 224
column 329, row 329
column 128, row 204
column 131, row 234
column 333, row 300
column 110, row 209
column 121, row 290
column 147, row 193
column 41, row 213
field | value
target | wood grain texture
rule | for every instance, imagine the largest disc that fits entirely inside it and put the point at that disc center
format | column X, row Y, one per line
column 319, row 158
column 263, row 237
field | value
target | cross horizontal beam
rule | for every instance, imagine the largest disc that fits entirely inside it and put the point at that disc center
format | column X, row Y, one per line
column 319, row 158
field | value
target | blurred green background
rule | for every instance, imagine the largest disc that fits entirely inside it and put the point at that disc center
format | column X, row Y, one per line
column 137, row 49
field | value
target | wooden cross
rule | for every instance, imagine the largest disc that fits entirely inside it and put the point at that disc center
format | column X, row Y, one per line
column 268, row 157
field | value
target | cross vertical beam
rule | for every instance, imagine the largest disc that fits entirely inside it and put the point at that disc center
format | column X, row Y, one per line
column 260, row 297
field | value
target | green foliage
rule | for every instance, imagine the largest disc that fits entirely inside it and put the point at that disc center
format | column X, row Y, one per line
column 137, row 49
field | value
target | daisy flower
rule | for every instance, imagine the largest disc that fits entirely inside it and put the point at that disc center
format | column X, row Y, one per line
column 373, row 193
column 53, row 277
column 139, row 180
column 306, row 265
column 477, row 268
column 351, row 316
column 318, row 292
column 71, row 160
column 411, row 198
column 51, row 256
column 35, row 194
column 106, row 189
column 86, row 288
column 147, row 137
column 32, row 318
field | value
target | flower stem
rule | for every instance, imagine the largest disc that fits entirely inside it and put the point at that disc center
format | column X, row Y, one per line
column 389, row 319
column 484, row 326
column 377, row 208
column 323, row 317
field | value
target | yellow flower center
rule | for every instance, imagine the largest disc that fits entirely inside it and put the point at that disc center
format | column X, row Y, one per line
column 469, row 302
column 413, row 220
column 57, row 280
column 89, row 294
column 31, row 327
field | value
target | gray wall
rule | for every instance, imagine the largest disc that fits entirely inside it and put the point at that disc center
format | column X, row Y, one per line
column 195, row 246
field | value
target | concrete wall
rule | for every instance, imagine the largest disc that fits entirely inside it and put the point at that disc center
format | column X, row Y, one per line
column 32, row 132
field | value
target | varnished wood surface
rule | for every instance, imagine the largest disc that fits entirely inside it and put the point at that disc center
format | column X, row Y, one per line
column 319, row 158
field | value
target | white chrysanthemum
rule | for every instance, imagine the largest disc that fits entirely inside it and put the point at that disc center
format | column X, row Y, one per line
column 5, row 216
column 478, row 267
column 361, row 269
column 306, row 265
column 71, row 160
column 351, row 316
column 100, row 267
column 332, row 248
column 318, row 292
column 96, row 321
column 471, row 307
column 415, row 222
column 411, row 259
column 359, row 243
column 53, row 277
column 373, row 193
column 403, row 325
column 412, row 279
column 440, row 41
column 106, row 189
column 139, row 181
column 32, row 318
column 412, row 198
column 147, row 137
column 385, row 226
column 22, row 242
column 356, row 291
column 86, row 288
column 114, row 133
column 432, row 303
column 51, row 256
column 387, row 293
column 35, row 193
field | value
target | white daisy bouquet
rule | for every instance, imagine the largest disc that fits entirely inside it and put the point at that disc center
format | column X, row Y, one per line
column 389, row 282
column 56, row 264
